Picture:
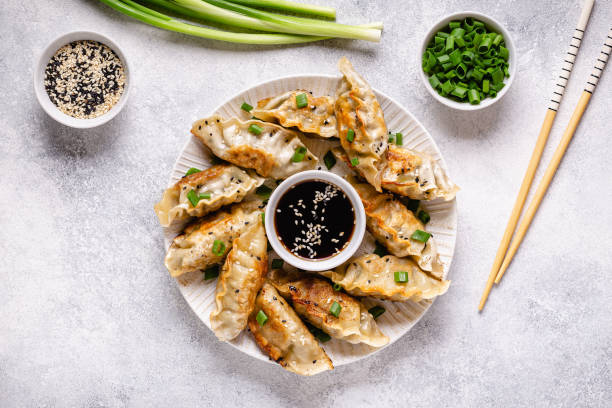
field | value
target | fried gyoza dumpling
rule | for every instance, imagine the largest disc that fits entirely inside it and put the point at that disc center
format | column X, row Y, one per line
column 312, row 299
column 271, row 150
column 371, row 275
column 241, row 277
column 392, row 224
column 360, row 119
column 416, row 175
column 316, row 117
column 195, row 248
column 280, row 333
column 212, row 188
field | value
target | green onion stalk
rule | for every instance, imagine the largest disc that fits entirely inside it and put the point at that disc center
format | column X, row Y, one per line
column 286, row 29
column 160, row 20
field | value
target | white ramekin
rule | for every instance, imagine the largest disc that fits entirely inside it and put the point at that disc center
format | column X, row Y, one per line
column 322, row 264
column 39, row 78
column 495, row 26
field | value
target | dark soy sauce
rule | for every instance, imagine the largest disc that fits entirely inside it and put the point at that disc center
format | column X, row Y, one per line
column 314, row 219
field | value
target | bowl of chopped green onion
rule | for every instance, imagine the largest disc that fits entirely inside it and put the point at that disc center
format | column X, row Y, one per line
column 468, row 61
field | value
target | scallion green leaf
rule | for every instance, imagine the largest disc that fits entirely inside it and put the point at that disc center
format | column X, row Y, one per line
column 335, row 309
column 193, row 198
column 299, row 154
column 277, row 263
column 211, row 272
column 218, row 248
column 354, row 161
column 329, row 159
column 350, row 135
column 337, row 287
column 191, row 171
column 263, row 191
column 301, row 100
column 376, row 311
column 423, row 216
column 261, row 318
column 246, row 107
column 380, row 250
column 399, row 139
column 400, row 276
column 420, row 236
column 255, row 129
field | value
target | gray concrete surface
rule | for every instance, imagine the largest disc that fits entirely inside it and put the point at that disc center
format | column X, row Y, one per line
column 90, row 317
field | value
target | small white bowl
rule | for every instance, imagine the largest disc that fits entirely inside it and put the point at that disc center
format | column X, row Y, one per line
column 39, row 78
column 320, row 264
column 492, row 24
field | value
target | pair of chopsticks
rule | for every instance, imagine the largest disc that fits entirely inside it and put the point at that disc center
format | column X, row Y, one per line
column 504, row 254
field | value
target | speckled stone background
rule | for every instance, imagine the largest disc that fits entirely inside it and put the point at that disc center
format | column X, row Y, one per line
column 90, row 317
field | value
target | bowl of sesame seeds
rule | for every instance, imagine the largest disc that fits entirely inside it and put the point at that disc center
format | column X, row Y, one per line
column 82, row 79
column 315, row 220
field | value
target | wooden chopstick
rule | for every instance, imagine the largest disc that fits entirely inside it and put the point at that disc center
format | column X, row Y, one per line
column 551, row 113
column 554, row 163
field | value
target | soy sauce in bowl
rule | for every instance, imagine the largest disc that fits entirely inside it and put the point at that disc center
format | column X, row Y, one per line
column 314, row 220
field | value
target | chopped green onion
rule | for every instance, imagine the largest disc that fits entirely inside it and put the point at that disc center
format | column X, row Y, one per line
column 435, row 83
column 459, row 92
column 350, row 135
column 450, row 43
column 204, row 196
column 263, row 218
column 420, row 236
column 193, row 198
column 497, row 76
column 473, row 96
column 335, row 309
column 318, row 333
column 423, row 216
column 218, row 248
column 461, row 56
column 354, row 161
column 329, row 159
column 380, row 250
column 211, row 272
column 255, row 129
column 301, row 100
column 277, row 263
column 455, row 57
column 400, row 276
column 337, row 287
column 399, row 139
column 485, row 86
column 191, row 171
column 299, row 154
column 391, row 138
column 261, row 318
column 263, row 191
column 412, row 205
column 376, row 311
column 246, row 107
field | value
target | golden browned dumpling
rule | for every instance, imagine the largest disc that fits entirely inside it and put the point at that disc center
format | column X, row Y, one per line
column 416, row 175
column 210, row 189
column 195, row 248
column 280, row 333
column 312, row 298
column 269, row 149
column 393, row 225
column 317, row 117
column 240, row 279
column 371, row 275
column 361, row 124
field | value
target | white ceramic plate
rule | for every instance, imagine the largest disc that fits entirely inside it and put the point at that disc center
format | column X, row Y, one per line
column 399, row 317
